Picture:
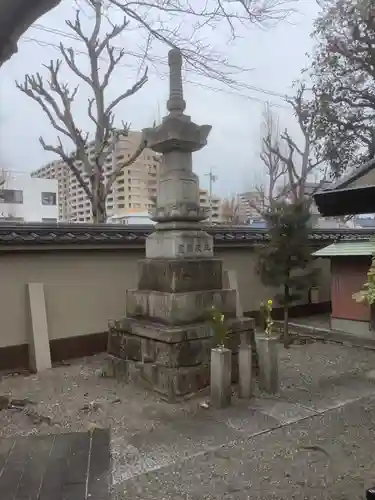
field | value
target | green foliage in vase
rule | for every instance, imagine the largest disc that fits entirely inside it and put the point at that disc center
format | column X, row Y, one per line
column 266, row 313
column 219, row 328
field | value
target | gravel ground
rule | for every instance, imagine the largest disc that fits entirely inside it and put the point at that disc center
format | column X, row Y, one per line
column 314, row 378
column 276, row 465
column 76, row 397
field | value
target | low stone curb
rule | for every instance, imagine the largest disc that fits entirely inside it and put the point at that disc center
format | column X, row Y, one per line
column 326, row 335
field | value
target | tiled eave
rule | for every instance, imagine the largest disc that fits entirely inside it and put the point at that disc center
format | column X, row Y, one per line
column 107, row 235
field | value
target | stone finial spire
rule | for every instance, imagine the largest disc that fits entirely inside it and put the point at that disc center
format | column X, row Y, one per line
column 175, row 104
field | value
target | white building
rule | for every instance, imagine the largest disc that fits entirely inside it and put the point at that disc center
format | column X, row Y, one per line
column 134, row 189
column 29, row 199
column 132, row 219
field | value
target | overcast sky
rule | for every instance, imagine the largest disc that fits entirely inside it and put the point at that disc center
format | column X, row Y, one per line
column 275, row 57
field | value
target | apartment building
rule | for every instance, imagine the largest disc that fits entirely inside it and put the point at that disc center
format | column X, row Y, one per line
column 249, row 205
column 23, row 198
column 210, row 205
column 134, row 189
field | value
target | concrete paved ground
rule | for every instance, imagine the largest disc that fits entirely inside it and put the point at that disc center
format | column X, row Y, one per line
column 246, row 451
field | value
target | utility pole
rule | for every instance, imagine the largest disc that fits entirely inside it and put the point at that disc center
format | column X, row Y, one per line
column 212, row 179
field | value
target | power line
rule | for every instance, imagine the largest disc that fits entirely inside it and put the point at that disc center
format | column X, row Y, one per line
column 43, row 43
column 157, row 59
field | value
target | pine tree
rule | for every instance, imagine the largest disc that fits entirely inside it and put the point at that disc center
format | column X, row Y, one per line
column 286, row 262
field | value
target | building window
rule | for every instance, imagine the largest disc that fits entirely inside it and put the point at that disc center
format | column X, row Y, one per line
column 49, row 198
column 11, row 196
column 49, row 219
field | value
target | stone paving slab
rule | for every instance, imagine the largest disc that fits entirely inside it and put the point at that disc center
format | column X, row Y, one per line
column 74, row 466
column 276, row 465
column 198, row 433
column 283, row 411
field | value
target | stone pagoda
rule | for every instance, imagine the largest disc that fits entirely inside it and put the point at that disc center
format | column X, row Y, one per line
column 165, row 340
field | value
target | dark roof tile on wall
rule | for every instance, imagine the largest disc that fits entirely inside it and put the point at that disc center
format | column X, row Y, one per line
column 47, row 234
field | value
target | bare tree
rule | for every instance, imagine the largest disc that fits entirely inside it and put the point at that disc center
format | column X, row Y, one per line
column 275, row 170
column 56, row 100
column 156, row 18
column 186, row 24
column 230, row 211
column 288, row 165
column 302, row 161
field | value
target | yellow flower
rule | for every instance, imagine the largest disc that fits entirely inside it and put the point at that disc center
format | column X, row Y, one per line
column 269, row 302
column 222, row 318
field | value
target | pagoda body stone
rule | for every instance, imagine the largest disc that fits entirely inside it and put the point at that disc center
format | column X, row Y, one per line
column 165, row 341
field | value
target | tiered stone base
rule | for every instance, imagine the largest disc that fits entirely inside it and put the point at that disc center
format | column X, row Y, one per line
column 171, row 360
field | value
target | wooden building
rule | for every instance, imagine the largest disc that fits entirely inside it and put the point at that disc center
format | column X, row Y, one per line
column 353, row 194
column 350, row 262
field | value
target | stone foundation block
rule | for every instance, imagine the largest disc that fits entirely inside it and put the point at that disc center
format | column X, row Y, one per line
column 177, row 275
column 173, row 361
column 132, row 341
column 170, row 383
column 179, row 308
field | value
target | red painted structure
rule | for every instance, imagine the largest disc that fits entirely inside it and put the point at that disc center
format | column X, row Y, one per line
column 348, row 276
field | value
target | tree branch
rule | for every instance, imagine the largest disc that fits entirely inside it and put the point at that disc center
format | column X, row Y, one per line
column 56, row 101
column 161, row 20
column 119, row 168
column 59, row 150
column 137, row 86
column 69, row 58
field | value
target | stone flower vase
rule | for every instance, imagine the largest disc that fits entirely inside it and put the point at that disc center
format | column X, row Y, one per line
column 221, row 377
column 268, row 363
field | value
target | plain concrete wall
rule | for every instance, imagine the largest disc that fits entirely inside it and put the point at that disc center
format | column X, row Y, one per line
column 84, row 288
column 252, row 291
